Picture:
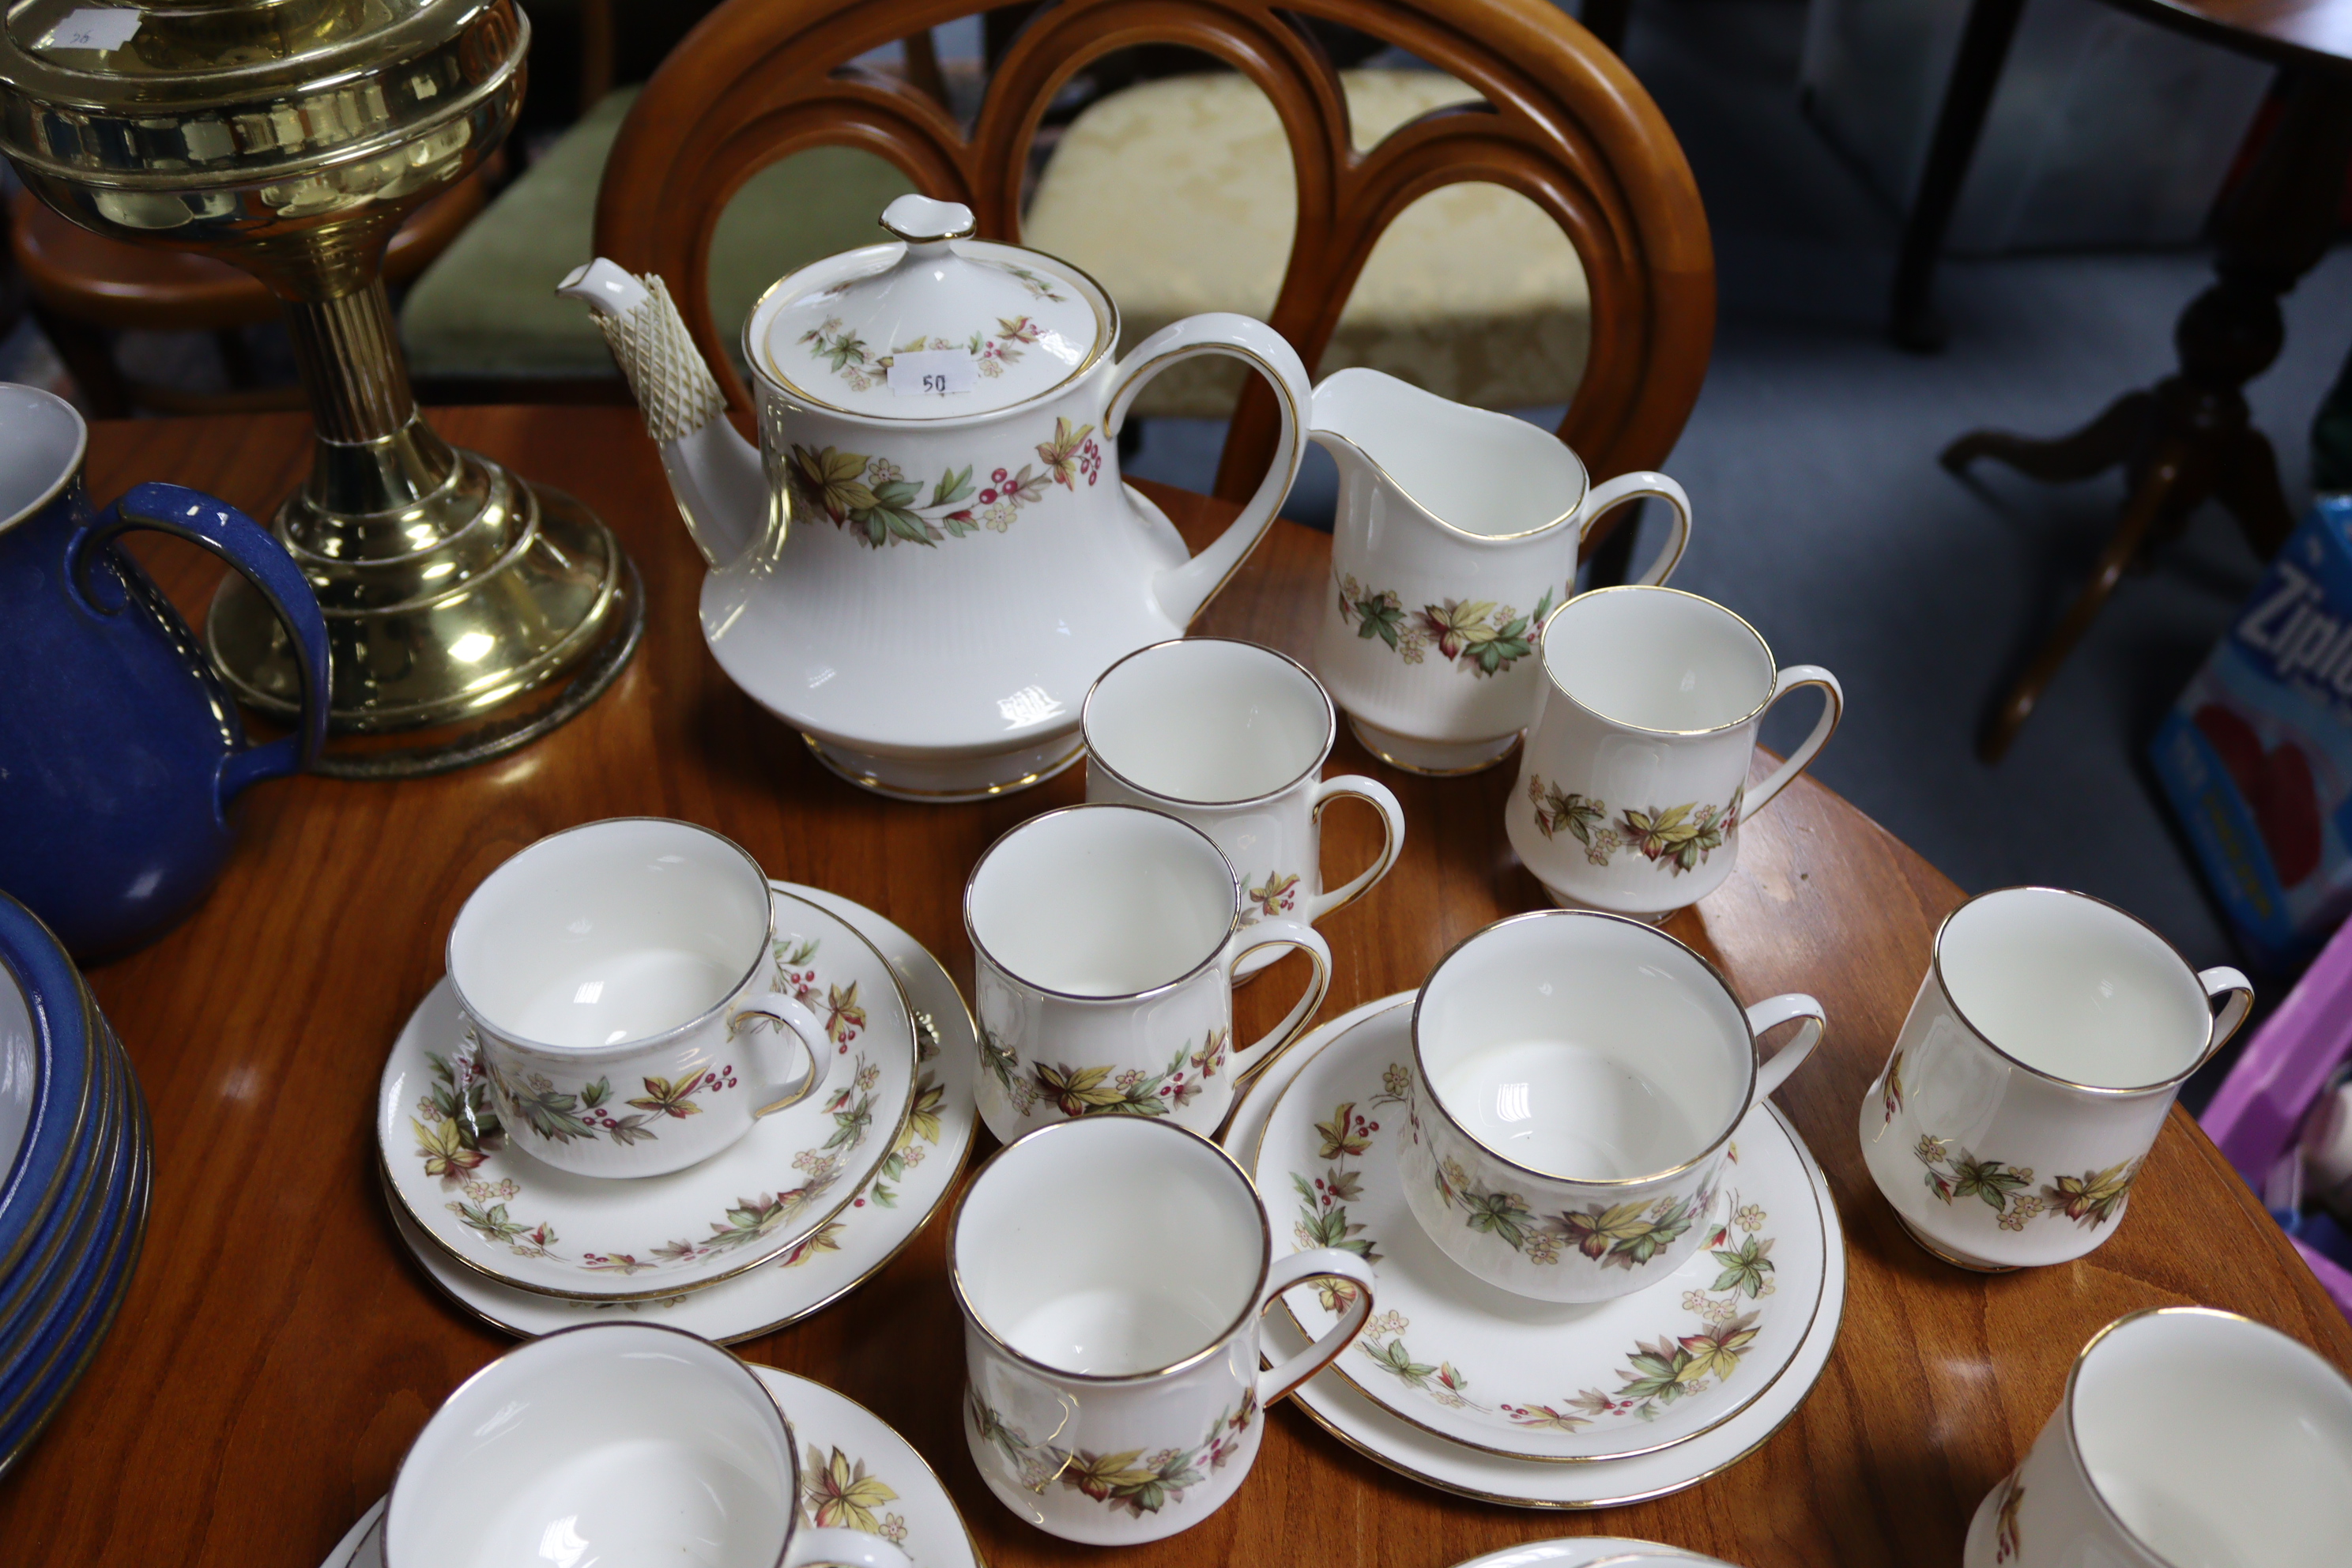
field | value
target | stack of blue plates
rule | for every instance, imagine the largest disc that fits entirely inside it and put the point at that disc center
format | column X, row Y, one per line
column 75, row 1159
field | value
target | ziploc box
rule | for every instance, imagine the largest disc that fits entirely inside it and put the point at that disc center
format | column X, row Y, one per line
column 2256, row 755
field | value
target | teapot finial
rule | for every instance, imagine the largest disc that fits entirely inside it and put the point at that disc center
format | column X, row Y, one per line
column 920, row 220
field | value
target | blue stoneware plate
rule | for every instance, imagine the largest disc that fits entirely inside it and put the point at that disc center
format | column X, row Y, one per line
column 29, row 1395
column 89, row 1188
column 47, row 998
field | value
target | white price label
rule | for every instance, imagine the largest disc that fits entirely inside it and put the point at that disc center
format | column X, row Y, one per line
column 107, row 28
column 933, row 373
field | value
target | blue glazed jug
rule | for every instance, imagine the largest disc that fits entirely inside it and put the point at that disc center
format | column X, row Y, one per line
column 120, row 748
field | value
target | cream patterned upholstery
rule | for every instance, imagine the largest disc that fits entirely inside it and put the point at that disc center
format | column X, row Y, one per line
column 1178, row 195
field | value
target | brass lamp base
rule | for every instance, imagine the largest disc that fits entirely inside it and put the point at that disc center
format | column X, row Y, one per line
column 456, row 595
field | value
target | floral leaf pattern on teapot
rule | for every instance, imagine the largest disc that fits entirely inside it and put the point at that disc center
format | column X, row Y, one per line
column 873, row 499
column 850, row 358
column 1479, row 637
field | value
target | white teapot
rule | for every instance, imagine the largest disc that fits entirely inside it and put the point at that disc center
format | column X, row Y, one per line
column 930, row 556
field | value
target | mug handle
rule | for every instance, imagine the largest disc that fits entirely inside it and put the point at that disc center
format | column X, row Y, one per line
column 842, row 1549
column 248, row 546
column 1321, row 1263
column 1183, row 590
column 1770, row 1014
column 2233, row 1013
column 1607, row 495
column 792, row 1016
column 1832, row 709
column 1282, row 930
column 1374, row 794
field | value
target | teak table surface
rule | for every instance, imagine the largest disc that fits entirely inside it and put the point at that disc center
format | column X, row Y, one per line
column 278, row 1351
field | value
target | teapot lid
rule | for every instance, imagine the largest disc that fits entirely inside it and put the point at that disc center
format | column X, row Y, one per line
column 937, row 325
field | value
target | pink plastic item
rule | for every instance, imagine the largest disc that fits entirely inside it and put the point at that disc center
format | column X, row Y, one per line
column 2254, row 1116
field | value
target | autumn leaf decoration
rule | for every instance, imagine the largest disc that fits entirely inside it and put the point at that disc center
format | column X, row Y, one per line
column 1060, row 454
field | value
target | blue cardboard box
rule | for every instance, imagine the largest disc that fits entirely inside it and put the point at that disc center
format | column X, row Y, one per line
column 2256, row 755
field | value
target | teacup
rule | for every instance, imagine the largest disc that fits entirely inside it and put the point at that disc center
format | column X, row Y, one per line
column 1231, row 737
column 616, row 976
column 1103, row 944
column 1112, row 1344
column 1632, row 786
column 1576, row 1081
column 2186, row 1438
column 2047, row 1041
column 611, row 1443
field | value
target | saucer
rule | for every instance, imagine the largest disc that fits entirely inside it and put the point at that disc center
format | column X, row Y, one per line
column 843, row 1255
column 1479, row 1365
column 856, row 1473
column 1587, row 1552
column 511, row 1218
column 1340, row 1408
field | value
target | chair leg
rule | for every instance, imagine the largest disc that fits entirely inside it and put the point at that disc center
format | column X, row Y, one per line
column 2246, row 481
column 1976, row 73
column 90, row 356
column 2109, row 439
column 2171, row 485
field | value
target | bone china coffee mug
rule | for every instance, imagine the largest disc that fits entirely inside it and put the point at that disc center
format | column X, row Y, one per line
column 1576, row 1080
column 2048, row 1039
column 2187, row 1438
column 611, row 1443
column 1103, row 944
column 1630, row 785
column 616, row 976
column 1111, row 1274
column 1231, row 737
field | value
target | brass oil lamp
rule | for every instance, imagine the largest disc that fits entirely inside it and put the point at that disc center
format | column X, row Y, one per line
column 469, row 610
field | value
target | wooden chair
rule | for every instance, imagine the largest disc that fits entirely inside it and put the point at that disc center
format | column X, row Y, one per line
column 1562, row 122
column 84, row 287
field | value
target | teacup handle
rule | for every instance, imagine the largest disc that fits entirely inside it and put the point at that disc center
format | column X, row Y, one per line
column 2233, row 1013
column 1374, row 794
column 1607, row 495
column 844, row 1548
column 1770, row 1014
column 1282, row 930
column 1321, row 1263
column 1183, row 590
column 794, row 1018
column 1832, row 709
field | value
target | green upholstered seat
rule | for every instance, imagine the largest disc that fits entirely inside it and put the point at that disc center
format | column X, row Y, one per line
column 488, row 309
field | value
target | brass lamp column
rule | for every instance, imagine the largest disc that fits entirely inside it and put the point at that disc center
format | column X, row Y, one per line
column 466, row 608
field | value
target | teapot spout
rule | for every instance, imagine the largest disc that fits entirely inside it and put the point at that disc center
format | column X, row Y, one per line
column 716, row 475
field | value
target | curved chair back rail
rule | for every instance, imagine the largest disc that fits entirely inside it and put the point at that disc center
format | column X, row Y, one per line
column 1564, row 124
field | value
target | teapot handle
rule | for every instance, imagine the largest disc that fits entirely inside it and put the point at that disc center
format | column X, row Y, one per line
column 1183, row 590
column 246, row 545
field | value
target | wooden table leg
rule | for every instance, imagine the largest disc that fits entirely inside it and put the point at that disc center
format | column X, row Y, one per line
column 2189, row 440
column 1976, row 73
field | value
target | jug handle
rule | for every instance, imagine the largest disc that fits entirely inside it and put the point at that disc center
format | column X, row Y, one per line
column 248, row 546
column 1183, row 590
column 1610, row 494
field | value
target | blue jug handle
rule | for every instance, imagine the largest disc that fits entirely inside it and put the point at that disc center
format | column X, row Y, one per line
column 248, row 546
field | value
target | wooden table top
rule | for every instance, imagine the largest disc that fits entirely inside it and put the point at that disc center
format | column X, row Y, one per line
column 278, row 1350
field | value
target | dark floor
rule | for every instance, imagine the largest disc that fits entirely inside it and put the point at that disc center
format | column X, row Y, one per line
column 1822, row 516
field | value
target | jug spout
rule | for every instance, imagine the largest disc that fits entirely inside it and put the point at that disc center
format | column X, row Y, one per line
column 721, row 490
column 1468, row 471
